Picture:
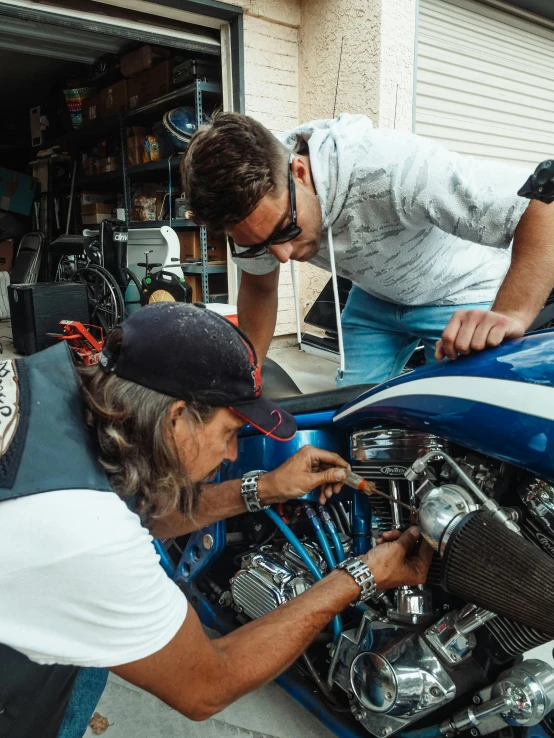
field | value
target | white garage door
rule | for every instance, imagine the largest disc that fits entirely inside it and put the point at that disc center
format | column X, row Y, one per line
column 485, row 82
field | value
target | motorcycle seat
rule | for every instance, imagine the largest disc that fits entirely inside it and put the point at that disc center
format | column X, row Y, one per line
column 276, row 382
column 328, row 400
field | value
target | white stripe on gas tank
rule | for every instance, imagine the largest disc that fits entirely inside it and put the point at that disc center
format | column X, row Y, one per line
column 521, row 397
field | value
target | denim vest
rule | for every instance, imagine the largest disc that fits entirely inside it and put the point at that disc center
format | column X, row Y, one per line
column 46, row 446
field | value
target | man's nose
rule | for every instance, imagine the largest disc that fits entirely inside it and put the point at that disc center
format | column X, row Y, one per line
column 232, row 450
column 282, row 252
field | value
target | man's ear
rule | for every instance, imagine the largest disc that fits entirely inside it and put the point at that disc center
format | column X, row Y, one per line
column 177, row 411
column 301, row 170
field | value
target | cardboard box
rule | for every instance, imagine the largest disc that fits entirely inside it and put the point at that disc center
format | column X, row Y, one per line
column 90, row 198
column 17, row 191
column 94, row 219
column 151, row 84
column 195, row 281
column 135, row 147
column 108, row 164
column 137, row 61
column 90, row 166
column 91, row 110
column 190, row 246
column 6, row 255
column 100, row 207
column 114, row 99
column 217, row 284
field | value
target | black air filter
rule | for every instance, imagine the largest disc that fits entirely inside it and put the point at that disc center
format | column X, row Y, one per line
column 490, row 566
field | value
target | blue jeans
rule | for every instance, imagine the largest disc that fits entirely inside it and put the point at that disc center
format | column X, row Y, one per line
column 380, row 336
column 87, row 691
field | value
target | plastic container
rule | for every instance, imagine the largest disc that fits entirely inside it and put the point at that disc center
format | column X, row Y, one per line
column 228, row 311
column 74, row 100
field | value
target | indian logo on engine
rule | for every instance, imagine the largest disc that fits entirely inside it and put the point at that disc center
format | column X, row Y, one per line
column 393, row 471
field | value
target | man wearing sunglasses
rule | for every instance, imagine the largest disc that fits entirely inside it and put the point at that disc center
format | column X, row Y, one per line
column 423, row 233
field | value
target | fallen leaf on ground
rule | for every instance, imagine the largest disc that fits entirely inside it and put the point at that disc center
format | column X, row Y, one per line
column 98, row 724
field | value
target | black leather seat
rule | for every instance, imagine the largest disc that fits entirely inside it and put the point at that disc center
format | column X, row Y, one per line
column 276, row 382
column 328, row 400
column 281, row 388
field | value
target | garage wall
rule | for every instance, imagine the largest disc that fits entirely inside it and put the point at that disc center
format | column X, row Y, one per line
column 271, row 93
column 375, row 77
column 485, row 85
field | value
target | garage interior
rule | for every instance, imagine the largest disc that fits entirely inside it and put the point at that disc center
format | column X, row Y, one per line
column 99, row 109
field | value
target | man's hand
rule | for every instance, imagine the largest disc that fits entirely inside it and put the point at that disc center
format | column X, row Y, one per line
column 307, row 469
column 475, row 330
column 398, row 560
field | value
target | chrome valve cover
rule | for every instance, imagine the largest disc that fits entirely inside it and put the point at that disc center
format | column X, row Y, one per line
column 268, row 579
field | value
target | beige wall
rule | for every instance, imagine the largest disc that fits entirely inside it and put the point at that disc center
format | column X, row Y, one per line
column 375, row 76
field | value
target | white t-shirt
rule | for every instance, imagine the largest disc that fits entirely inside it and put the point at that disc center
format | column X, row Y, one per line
column 80, row 581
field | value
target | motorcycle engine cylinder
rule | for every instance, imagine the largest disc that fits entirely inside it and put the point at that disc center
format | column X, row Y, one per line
column 490, row 566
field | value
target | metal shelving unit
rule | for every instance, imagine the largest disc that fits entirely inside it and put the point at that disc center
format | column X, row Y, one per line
column 198, row 92
column 200, row 269
column 177, row 223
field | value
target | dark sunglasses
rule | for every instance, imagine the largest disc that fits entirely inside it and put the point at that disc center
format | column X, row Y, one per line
column 288, row 233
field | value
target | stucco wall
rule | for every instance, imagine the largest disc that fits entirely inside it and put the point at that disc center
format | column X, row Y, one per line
column 375, row 76
column 396, row 64
column 271, row 93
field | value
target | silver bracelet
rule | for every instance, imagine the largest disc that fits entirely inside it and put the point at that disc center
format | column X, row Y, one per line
column 362, row 575
column 249, row 491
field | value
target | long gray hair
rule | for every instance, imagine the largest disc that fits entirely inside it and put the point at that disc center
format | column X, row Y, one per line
column 137, row 446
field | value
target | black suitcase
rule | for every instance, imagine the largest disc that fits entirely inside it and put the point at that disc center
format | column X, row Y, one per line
column 195, row 69
column 36, row 309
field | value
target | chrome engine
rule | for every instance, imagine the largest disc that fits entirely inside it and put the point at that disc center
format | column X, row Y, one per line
column 538, row 498
column 391, row 675
column 412, row 656
column 269, row 578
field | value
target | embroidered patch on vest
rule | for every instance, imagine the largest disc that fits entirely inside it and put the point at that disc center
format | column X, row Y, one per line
column 9, row 404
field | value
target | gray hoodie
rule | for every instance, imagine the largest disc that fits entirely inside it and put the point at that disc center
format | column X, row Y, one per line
column 412, row 222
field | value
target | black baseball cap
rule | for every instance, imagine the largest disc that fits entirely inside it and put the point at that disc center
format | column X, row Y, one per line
column 181, row 350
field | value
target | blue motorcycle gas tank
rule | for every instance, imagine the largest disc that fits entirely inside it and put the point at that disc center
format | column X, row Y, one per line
column 499, row 402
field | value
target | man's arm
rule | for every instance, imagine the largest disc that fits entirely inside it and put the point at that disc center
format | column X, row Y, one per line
column 521, row 296
column 199, row 677
column 305, row 470
column 476, row 200
column 257, row 308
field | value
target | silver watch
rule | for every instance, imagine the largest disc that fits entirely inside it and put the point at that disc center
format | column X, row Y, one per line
column 362, row 575
column 249, row 491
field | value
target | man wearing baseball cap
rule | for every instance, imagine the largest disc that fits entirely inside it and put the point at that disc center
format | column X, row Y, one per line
column 94, row 459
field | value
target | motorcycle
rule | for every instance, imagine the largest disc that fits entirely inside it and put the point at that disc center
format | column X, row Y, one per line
column 466, row 450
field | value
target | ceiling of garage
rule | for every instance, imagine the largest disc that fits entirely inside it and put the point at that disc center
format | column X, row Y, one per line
column 53, row 41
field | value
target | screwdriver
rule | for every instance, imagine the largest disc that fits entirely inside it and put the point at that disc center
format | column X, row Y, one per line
column 357, row 482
